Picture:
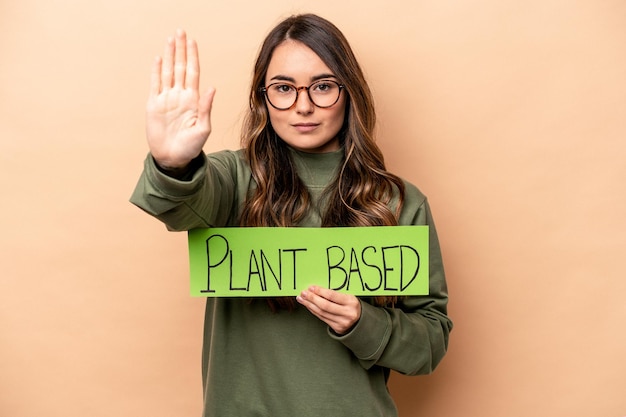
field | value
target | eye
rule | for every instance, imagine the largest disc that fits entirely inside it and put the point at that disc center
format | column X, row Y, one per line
column 282, row 88
column 324, row 87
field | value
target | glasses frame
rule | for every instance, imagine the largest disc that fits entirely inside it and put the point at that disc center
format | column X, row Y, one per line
column 298, row 89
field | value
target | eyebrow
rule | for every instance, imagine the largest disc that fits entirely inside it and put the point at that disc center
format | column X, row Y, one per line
column 292, row 80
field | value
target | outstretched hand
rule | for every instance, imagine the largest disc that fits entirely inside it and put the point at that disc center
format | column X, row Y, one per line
column 338, row 310
column 178, row 119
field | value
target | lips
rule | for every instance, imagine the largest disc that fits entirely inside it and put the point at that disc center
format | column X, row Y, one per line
column 305, row 127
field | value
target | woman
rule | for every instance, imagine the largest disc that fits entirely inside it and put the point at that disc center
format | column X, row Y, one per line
column 308, row 159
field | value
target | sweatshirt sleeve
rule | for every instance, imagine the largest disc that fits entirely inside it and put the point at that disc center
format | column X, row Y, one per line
column 206, row 198
column 411, row 337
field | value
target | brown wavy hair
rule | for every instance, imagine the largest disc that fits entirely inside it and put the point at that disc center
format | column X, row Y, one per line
column 363, row 191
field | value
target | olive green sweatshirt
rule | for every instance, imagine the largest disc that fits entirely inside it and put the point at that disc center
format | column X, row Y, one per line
column 290, row 364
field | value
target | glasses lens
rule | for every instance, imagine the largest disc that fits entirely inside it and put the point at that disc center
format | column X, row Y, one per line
column 282, row 96
column 323, row 93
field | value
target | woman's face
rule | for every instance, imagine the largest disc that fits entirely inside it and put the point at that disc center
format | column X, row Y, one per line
column 304, row 126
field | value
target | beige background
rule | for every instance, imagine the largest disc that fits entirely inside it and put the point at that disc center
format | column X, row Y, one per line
column 510, row 115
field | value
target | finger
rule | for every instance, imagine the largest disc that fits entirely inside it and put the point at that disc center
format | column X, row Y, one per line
column 328, row 294
column 192, row 78
column 180, row 58
column 321, row 305
column 344, row 309
column 155, row 77
column 333, row 301
column 335, row 322
column 167, row 66
column 308, row 300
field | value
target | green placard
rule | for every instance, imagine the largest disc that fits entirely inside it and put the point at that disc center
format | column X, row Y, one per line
column 282, row 261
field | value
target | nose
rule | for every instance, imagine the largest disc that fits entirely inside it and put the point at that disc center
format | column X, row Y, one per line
column 304, row 105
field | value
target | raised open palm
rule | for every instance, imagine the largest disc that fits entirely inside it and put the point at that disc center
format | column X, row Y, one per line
column 178, row 118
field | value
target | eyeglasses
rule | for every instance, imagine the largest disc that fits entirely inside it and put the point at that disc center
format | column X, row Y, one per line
column 283, row 96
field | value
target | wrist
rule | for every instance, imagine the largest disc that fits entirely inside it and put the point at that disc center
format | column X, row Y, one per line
column 179, row 172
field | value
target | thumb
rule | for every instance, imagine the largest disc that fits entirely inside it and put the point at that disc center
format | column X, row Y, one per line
column 205, row 104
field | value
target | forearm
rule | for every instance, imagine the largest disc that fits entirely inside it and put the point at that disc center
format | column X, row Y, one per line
column 412, row 337
column 184, row 203
column 411, row 343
